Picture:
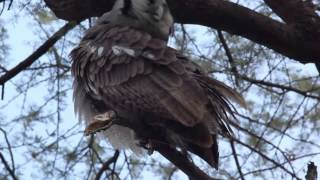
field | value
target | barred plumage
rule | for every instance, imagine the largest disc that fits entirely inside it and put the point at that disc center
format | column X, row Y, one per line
column 122, row 66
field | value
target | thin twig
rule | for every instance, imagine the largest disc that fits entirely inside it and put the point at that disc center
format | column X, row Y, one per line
column 267, row 158
column 37, row 53
column 106, row 164
column 3, row 69
column 6, row 165
column 234, row 153
column 229, row 55
column 282, row 87
column 9, row 148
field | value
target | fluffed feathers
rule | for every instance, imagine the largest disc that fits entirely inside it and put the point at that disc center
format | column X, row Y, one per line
column 144, row 80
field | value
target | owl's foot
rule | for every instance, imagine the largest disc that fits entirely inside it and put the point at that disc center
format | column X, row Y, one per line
column 100, row 122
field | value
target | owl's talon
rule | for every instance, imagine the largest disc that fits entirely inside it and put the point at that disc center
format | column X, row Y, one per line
column 100, row 122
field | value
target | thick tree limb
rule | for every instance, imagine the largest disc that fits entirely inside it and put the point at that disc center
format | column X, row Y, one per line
column 37, row 53
column 302, row 16
column 295, row 11
column 181, row 161
column 219, row 14
column 157, row 142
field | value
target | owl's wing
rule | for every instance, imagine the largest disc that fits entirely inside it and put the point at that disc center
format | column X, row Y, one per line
column 130, row 63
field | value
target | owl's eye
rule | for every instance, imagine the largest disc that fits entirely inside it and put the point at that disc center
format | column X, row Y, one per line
column 151, row 1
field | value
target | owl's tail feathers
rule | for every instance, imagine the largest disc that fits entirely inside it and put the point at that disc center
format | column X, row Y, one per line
column 208, row 154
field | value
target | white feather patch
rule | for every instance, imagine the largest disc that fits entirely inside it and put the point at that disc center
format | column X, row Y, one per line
column 93, row 49
column 100, row 50
column 122, row 138
column 149, row 55
column 119, row 50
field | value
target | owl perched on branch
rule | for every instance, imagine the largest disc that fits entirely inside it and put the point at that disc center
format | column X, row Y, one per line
column 123, row 65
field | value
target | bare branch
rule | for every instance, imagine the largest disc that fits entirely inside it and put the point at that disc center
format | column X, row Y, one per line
column 295, row 12
column 229, row 55
column 302, row 16
column 106, row 164
column 181, row 161
column 282, row 87
column 9, row 148
column 267, row 158
column 157, row 142
column 6, row 165
column 37, row 53
column 218, row 14
column 235, row 156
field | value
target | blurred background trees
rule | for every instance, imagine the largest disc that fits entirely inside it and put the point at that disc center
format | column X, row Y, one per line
column 275, row 137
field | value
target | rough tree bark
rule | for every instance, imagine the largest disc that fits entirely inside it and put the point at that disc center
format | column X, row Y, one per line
column 298, row 37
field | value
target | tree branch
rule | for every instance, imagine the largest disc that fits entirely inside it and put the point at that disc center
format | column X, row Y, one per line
column 156, row 140
column 282, row 87
column 229, row 55
column 6, row 165
column 106, row 164
column 295, row 11
column 9, row 148
column 218, row 14
column 302, row 16
column 234, row 153
column 37, row 53
column 267, row 158
column 181, row 161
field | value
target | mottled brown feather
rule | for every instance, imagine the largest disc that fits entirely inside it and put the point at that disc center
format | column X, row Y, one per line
column 157, row 80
